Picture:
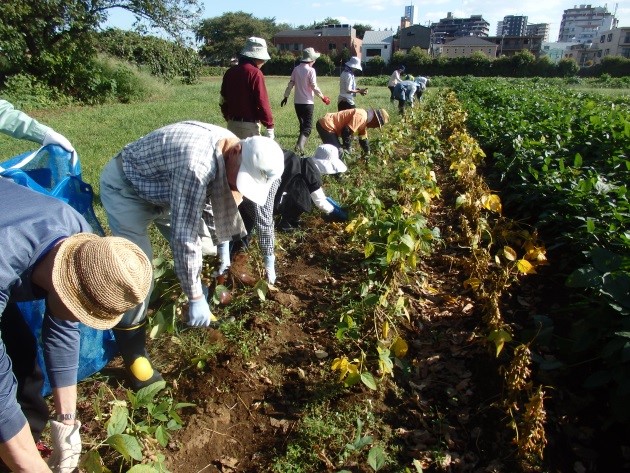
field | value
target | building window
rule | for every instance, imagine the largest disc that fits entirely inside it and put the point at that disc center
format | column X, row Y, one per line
column 601, row 38
column 609, row 37
column 332, row 46
column 296, row 47
column 372, row 52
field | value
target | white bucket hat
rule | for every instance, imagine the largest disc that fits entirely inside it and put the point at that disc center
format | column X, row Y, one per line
column 262, row 162
column 327, row 160
column 309, row 55
column 354, row 63
column 256, row 48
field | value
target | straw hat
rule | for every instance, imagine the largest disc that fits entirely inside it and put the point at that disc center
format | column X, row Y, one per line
column 381, row 116
column 256, row 48
column 262, row 162
column 354, row 63
column 326, row 159
column 100, row 278
column 309, row 55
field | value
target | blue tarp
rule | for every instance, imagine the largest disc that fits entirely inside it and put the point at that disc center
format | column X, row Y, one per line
column 53, row 171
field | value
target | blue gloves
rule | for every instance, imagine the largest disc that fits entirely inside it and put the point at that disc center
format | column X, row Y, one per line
column 199, row 314
column 338, row 214
column 270, row 267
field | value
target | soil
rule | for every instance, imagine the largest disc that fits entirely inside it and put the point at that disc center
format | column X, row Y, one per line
column 442, row 409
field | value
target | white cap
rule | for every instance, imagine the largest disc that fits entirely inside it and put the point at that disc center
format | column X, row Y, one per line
column 256, row 48
column 262, row 162
column 354, row 63
column 327, row 160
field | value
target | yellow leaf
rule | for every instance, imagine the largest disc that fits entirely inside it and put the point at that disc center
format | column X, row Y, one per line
column 499, row 337
column 385, row 329
column 509, row 253
column 474, row 283
column 400, row 348
column 525, row 267
column 492, row 202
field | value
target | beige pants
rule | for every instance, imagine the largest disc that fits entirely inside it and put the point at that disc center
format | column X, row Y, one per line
column 244, row 129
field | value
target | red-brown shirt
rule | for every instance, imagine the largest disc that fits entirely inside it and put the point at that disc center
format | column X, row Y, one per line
column 244, row 95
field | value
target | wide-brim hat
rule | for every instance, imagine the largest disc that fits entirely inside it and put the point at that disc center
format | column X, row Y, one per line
column 355, row 63
column 256, row 48
column 100, row 278
column 309, row 55
column 326, row 159
column 262, row 162
column 381, row 116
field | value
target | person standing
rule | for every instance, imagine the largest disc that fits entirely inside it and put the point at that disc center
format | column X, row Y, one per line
column 393, row 80
column 304, row 79
column 178, row 177
column 244, row 98
column 348, row 85
column 49, row 253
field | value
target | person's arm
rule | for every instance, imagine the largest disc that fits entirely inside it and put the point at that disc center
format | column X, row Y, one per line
column 319, row 199
column 261, row 99
column 19, row 125
column 20, row 454
column 263, row 216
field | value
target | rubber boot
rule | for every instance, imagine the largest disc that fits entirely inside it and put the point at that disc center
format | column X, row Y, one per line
column 131, row 342
column 301, row 143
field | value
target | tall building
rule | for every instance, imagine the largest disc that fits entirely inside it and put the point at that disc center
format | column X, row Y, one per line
column 410, row 12
column 581, row 24
column 450, row 27
column 513, row 25
column 538, row 29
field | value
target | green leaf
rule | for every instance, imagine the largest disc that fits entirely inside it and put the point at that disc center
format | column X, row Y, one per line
column 117, row 422
column 499, row 337
column 605, row 261
column 363, row 442
column 143, row 469
column 162, row 435
column 145, row 395
column 368, row 380
column 127, row 445
column 92, row 462
column 586, row 276
column 376, row 458
column 261, row 288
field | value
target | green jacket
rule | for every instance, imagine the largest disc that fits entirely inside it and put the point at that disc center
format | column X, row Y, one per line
column 19, row 125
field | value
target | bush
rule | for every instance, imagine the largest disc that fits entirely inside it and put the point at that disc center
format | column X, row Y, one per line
column 25, row 91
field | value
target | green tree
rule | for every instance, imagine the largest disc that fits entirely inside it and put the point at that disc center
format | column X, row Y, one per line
column 224, row 36
column 361, row 29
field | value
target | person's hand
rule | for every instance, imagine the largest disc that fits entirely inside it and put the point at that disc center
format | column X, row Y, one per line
column 270, row 267
column 326, row 100
column 284, row 101
column 66, row 444
column 54, row 138
column 199, row 314
column 271, row 133
column 338, row 214
column 363, row 91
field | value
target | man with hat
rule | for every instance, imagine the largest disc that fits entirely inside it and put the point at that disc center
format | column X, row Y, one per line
column 182, row 177
column 244, row 98
column 304, row 79
column 405, row 93
column 49, row 253
column 347, row 123
column 348, row 84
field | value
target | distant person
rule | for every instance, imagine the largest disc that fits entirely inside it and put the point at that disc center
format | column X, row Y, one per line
column 348, row 85
column 393, row 80
column 181, row 177
column 405, row 92
column 301, row 187
column 423, row 83
column 338, row 128
column 304, row 79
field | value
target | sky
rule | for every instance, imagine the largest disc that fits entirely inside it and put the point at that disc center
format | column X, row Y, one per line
column 386, row 14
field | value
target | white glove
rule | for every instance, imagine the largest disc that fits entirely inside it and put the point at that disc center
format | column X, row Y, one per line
column 199, row 314
column 66, row 444
column 223, row 250
column 270, row 267
column 271, row 133
column 54, row 138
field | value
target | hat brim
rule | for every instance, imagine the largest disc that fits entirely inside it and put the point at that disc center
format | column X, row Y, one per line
column 254, row 190
column 379, row 117
column 67, row 285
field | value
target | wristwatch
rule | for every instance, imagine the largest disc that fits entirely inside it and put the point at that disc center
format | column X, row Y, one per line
column 62, row 417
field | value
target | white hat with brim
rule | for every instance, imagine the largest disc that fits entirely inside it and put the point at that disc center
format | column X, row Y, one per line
column 354, row 63
column 100, row 278
column 309, row 55
column 327, row 160
column 256, row 48
column 262, row 162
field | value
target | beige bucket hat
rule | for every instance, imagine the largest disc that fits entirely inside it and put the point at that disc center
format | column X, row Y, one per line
column 256, row 48
column 309, row 55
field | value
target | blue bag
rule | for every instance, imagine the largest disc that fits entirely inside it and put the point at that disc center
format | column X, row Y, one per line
column 54, row 171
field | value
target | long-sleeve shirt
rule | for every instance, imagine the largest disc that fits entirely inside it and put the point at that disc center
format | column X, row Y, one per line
column 19, row 125
column 180, row 167
column 355, row 119
column 394, row 78
column 244, row 95
column 347, row 84
column 304, row 79
column 30, row 224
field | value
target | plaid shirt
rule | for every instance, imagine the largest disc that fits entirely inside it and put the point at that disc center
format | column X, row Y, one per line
column 178, row 167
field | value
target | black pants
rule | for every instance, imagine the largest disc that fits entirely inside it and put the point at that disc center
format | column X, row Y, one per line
column 391, row 90
column 21, row 347
column 343, row 105
column 304, row 112
column 328, row 137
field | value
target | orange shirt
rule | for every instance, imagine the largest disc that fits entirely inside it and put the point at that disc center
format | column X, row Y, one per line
column 354, row 118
